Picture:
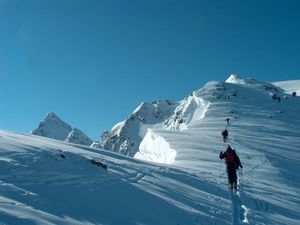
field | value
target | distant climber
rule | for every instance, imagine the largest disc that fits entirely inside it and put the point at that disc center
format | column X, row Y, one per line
column 294, row 94
column 227, row 120
column 232, row 162
column 278, row 99
column 225, row 135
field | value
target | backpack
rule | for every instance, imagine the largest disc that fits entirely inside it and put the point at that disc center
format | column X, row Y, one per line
column 230, row 158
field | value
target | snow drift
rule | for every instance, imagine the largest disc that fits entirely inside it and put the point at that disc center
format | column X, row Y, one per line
column 155, row 148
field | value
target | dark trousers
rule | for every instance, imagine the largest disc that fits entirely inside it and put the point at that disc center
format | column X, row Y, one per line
column 231, row 173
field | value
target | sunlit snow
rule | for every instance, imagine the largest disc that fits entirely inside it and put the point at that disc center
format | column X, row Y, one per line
column 45, row 181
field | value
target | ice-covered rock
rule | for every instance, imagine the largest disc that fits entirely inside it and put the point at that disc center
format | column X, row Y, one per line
column 125, row 137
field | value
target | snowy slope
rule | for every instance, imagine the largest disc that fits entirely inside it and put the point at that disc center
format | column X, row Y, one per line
column 44, row 181
column 53, row 127
column 265, row 133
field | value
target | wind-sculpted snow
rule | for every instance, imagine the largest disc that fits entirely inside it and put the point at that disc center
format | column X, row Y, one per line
column 190, row 109
column 155, row 148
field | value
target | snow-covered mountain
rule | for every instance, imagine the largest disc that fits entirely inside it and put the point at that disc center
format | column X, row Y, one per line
column 53, row 127
column 78, row 137
column 237, row 98
column 125, row 137
column 44, row 181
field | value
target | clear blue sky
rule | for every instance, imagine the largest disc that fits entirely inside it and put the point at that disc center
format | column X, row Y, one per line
column 93, row 61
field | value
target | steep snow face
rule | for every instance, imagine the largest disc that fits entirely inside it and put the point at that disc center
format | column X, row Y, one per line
column 53, row 127
column 191, row 108
column 126, row 136
column 78, row 137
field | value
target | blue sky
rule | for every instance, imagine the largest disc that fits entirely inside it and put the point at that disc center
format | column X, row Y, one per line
column 93, row 61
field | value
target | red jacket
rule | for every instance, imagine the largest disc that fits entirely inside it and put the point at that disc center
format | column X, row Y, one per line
column 231, row 158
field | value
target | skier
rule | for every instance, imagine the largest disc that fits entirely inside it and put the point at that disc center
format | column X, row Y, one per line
column 232, row 162
column 225, row 135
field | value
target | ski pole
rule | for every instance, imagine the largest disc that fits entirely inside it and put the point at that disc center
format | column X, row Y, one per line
column 241, row 176
column 220, row 168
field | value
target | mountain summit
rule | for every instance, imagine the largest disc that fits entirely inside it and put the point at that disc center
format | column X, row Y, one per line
column 53, row 127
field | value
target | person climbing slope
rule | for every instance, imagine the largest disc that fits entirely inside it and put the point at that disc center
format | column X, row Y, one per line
column 232, row 162
column 227, row 121
column 225, row 135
